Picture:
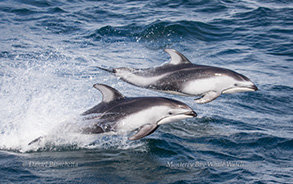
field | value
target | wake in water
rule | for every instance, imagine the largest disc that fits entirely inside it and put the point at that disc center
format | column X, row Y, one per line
column 69, row 135
column 36, row 102
column 64, row 136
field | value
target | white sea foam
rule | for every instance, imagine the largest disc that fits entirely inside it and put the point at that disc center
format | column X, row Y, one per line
column 38, row 101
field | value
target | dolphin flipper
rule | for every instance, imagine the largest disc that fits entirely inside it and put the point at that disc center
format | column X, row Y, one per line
column 144, row 131
column 209, row 96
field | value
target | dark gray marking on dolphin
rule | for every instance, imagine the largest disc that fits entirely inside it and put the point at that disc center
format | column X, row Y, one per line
column 182, row 77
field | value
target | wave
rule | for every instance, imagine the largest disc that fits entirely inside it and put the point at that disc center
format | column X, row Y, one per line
column 159, row 30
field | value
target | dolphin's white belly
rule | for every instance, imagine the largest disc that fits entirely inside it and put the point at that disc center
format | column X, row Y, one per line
column 202, row 86
column 136, row 120
column 199, row 87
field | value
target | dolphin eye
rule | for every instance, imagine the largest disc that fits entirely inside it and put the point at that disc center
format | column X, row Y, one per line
column 170, row 113
column 235, row 84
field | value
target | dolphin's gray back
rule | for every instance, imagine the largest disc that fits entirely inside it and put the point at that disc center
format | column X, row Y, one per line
column 198, row 71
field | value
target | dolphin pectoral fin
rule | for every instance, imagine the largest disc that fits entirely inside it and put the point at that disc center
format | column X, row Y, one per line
column 144, row 131
column 209, row 96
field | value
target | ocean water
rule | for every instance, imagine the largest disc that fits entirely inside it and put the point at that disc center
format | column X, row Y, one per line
column 48, row 56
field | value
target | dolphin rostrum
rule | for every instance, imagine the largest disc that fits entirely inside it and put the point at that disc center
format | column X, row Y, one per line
column 120, row 114
column 182, row 77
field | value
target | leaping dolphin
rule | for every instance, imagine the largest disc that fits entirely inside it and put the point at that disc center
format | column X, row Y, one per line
column 117, row 113
column 182, row 77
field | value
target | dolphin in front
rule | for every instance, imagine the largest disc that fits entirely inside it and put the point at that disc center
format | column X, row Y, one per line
column 120, row 114
column 182, row 77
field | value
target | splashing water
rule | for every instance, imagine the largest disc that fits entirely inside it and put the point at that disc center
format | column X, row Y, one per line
column 36, row 101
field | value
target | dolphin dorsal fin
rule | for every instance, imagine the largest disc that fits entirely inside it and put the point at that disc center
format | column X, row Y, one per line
column 176, row 57
column 109, row 93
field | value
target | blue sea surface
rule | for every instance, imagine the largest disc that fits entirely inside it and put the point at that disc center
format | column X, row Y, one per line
column 48, row 56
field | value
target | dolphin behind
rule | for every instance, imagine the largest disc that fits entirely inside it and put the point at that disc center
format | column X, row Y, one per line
column 182, row 77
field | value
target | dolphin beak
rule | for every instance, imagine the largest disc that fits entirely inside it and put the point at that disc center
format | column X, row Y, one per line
column 191, row 113
column 254, row 88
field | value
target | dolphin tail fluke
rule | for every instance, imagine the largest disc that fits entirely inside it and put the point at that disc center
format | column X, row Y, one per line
column 106, row 69
column 36, row 140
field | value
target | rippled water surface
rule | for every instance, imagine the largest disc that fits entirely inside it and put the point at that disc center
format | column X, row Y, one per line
column 48, row 56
